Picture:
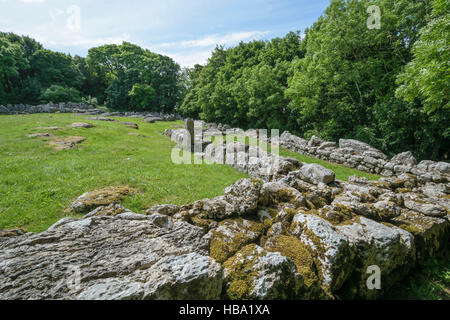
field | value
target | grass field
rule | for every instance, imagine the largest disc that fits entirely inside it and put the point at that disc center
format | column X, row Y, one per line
column 37, row 182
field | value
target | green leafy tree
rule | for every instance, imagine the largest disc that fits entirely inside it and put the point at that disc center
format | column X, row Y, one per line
column 12, row 62
column 427, row 76
column 57, row 93
column 120, row 67
column 141, row 96
column 54, row 68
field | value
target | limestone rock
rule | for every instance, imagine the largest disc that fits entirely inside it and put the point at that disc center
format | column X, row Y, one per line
column 131, row 125
column 243, row 195
column 254, row 273
column 66, row 143
column 373, row 243
column 11, row 233
column 136, row 257
column 80, row 125
column 277, row 192
column 110, row 210
column 331, row 248
column 38, row 135
column 431, row 234
column 360, row 147
column 231, row 235
column 427, row 208
column 405, row 158
column 316, row 174
column 103, row 197
column 165, row 209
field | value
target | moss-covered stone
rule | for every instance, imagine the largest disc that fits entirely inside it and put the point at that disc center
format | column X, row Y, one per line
column 101, row 197
column 300, row 254
column 233, row 234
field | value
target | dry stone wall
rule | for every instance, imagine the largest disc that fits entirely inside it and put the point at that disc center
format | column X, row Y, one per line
column 361, row 156
column 84, row 109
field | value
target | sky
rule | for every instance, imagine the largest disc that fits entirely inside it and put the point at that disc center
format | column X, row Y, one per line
column 185, row 30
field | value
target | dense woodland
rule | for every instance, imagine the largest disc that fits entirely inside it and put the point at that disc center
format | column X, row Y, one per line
column 389, row 87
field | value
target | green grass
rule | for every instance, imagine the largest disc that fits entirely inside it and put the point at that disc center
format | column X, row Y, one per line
column 37, row 183
column 430, row 281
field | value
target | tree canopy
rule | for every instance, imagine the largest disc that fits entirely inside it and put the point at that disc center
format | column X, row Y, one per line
column 124, row 77
column 387, row 86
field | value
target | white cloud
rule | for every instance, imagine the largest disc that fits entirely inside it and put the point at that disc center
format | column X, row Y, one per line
column 198, row 51
column 216, row 39
column 191, row 59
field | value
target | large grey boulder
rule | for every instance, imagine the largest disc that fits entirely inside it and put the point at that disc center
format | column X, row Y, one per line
column 127, row 256
column 374, row 244
column 315, row 173
column 254, row 273
column 243, row 195
column 331, row 248
column 405, row 158
column 361, row 147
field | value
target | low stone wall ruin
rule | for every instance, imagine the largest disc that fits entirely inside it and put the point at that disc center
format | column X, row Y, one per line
column 84, row 109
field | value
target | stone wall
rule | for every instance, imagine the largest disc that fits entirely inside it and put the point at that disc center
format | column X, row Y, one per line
column 351, row 153
column 65, row 107
column 361, row 156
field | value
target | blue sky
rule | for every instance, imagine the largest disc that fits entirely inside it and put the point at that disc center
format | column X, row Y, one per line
column 185, row 30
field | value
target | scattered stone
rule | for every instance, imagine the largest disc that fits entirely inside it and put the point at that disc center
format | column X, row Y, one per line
column 49, row 128
column 38, row 135
column 131, row 125
column 66, row 143
column 81, row 125
column 103, row 197
column 102, row 119
column 153, row 119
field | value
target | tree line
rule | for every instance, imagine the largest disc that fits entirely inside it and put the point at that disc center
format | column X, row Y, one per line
column 388, row 87
column 123, row 77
